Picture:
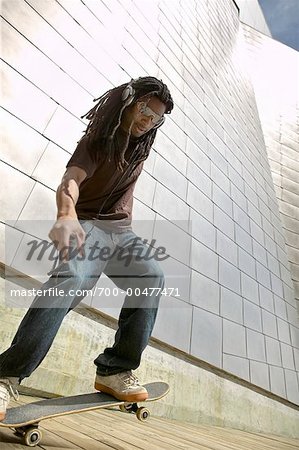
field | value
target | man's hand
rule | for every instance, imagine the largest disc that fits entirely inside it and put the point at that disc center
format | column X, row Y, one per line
column 62, row 231
column 67, row 225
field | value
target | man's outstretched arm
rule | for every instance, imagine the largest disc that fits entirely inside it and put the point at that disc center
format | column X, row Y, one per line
column 68, row 192
column 67, row 223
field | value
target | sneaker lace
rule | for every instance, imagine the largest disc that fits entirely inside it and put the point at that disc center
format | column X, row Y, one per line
column 130, row 379
column 12, row 390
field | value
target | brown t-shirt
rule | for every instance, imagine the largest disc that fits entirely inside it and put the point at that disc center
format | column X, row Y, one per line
column 107, row 192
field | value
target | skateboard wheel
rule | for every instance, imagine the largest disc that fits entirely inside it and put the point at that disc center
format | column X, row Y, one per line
column 142, row 414
column 32, row 437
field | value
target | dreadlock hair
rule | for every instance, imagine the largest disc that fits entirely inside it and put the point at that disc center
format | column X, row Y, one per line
column 105, row 117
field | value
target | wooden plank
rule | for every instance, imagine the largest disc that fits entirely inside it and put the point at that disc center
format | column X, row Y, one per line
column 280, row 439
column 100, row 431
column 170, row 430
column 53, row 441
column 73, row 437
column 148, row 433
column 9, row 441
column 191, row 439
column 225, row 438
column 265, row 441
column 56, row 447
column 151, row 438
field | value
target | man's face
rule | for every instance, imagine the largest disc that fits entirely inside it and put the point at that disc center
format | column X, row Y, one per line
column 142, row 116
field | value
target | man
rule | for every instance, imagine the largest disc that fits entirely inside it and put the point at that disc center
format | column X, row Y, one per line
column 94, row 209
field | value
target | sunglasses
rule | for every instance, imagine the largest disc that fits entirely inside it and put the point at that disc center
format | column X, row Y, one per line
column 148, row 112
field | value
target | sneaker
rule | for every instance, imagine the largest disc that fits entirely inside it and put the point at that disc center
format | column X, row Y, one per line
column 7, row 390
column 123, row 386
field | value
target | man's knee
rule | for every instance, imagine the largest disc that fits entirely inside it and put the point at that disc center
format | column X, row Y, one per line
column 155, row 275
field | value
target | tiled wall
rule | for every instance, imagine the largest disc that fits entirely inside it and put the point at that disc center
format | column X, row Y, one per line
column 279, row 114
column 209, row 163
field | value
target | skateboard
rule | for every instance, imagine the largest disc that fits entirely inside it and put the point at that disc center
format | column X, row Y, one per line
column 25, row 419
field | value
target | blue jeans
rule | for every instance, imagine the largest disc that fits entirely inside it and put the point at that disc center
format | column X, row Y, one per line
column 128, row 267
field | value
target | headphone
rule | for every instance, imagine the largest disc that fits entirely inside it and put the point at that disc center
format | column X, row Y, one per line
column 128, row 94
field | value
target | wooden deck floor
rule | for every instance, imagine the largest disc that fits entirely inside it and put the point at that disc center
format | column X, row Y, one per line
column 112, row 429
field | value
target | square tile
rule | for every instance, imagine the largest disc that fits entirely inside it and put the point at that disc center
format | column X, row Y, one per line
column 249, row 288
column 259, row 374
column 227, row 248
column 236, row 365
column 231, row 306
column 287, row 356
column 173, row 311
column 277, row 381
column 223, row 222
column 256, row 346
column 206, row 340
column 273, row 353
column 202, row 230
column 234, row 339
column 269, row 324
column 204, row 260
column 205, row 293
column 252, row 316
column 292, row 386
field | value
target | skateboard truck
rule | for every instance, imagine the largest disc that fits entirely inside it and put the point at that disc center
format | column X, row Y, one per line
column 142, row 413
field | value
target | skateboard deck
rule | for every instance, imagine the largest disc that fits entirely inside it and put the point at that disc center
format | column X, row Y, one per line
column 25, row 419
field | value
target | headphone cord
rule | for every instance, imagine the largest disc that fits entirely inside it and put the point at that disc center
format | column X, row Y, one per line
column 131, row 161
